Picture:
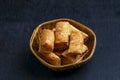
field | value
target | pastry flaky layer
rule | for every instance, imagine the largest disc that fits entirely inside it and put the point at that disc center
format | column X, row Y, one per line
column 62, row 45
column 62, row 35
column 46, row 41
column 77, row 44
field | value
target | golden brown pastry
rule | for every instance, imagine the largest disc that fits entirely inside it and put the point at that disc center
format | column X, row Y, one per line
column 46, row 41
column 62, row 35
column 52, row 59
column 81, row 57
column 58, row 53
column 69, row 59
column 77, row 46
column 66, row 58
column 73, row 29
column 63, row 44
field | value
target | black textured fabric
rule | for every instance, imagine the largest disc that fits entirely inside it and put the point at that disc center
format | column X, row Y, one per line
column 18, row 18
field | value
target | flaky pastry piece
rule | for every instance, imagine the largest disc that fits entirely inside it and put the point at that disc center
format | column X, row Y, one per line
column 46, row 41
column 74, row 29
column 77, row 46
column 62, row 35
column 58, row 53
column 52, row 58
column 69, row 59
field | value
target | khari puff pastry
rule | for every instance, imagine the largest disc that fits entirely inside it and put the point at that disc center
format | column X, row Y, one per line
column 52, row 59
column 46, row 41
column 69, row 59
column 62, row 45
column 77, row 46
column 62, row 35
column 73, row 29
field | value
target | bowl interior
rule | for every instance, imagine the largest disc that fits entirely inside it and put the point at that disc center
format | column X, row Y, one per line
column 91, row 42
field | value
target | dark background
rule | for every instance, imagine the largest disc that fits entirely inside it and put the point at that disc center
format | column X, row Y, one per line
column 18, row 18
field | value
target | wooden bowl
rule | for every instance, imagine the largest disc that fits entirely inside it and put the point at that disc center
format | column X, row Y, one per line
column 91, row 43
